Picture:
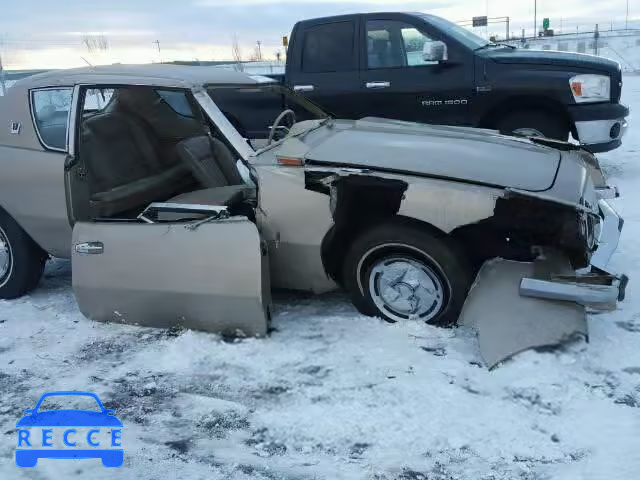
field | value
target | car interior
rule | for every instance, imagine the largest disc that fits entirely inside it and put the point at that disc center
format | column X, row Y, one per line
column 142, row 145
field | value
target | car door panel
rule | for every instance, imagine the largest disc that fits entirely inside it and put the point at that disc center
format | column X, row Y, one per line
column 214, row 277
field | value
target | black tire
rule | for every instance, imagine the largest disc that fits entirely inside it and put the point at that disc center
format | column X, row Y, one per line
column 389, row 241
column 548, row 124
column 26, row 260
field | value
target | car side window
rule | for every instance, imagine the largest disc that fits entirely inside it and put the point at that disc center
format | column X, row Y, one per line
column 394, row 44
column 51, row 109
column 329, row 48
column 97, row 99
column 177, row 100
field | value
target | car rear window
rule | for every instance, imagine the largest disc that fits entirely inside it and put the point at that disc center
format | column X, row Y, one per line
column 51, row 114
column 329, row 48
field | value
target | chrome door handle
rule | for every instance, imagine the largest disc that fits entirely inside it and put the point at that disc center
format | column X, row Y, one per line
column 303, row 88
column 90, row 248
column 378, row 84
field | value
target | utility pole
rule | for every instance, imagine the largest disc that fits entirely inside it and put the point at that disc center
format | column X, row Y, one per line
column 626, row 18
column 535, row 18
column 259, row 50
column 157, row 42
column 2, row 82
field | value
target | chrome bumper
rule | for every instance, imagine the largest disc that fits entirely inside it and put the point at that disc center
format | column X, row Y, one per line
column 594, row 132
column 598, row 288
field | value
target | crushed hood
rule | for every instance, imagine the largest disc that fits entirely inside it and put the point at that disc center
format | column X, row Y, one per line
column 467, row 154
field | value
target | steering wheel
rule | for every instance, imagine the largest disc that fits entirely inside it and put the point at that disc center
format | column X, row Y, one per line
column 276, row 124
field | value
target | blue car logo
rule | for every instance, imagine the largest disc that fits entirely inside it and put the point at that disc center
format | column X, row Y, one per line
column 69, row 434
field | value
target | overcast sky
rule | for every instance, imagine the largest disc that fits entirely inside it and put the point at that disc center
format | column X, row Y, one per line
column 49, row 33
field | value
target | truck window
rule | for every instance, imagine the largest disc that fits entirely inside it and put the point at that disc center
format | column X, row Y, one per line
column 51, row 114
column 329, row 48
column 393, row 44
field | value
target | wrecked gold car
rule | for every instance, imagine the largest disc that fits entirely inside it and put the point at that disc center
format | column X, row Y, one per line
column 174, row 212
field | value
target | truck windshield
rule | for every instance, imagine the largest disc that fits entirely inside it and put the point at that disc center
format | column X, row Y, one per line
column 252, row 109
column 461, row 34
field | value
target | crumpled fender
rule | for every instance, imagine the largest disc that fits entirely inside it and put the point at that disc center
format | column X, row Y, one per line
column 508, row 323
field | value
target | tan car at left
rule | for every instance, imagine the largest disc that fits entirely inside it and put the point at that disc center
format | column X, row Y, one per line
column 173, row 211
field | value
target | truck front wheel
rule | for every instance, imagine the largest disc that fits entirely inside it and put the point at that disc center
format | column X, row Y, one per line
column 532, row 123
column 21, row 259
column 402, row 272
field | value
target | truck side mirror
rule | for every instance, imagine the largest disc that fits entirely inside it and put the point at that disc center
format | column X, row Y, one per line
column 435, row 51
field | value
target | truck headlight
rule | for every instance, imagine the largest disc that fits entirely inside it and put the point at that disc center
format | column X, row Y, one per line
column 590, row 88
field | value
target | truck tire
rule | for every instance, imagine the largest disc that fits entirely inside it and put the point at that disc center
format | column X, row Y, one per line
column 424, row 275
column 534, row 123
column 21, row 259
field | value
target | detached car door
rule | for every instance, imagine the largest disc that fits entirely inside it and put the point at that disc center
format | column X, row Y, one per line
column 211, row 276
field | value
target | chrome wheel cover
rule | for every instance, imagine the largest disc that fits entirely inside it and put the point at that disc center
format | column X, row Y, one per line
column 528, row 132
column 6, row 258
column 406, row 289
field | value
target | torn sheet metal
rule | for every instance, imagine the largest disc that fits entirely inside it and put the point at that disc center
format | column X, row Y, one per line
column 508, row 323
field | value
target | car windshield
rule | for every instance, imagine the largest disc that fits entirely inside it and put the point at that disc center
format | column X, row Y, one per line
column 252, row 109
column 461, row 34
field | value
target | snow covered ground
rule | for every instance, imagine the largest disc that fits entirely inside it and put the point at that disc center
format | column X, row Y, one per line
column 334, row 395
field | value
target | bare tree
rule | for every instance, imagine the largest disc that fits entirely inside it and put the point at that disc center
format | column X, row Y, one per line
column 95, row 43
column 236, row 51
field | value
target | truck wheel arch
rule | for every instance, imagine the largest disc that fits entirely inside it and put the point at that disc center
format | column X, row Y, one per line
column 513, row 104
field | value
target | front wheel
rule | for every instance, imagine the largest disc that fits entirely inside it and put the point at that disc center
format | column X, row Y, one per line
column 403, row 272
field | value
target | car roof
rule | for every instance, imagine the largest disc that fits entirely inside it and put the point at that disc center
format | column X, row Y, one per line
column 160, row 75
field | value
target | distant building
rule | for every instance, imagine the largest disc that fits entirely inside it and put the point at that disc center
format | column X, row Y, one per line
column 618, row 45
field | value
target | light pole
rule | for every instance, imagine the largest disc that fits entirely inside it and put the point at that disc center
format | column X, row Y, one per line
column 626, row 18
column 535, row 18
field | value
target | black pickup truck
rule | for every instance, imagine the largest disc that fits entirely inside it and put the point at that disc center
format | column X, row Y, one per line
column 423, row 68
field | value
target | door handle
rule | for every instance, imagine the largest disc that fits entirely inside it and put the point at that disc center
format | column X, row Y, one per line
column 378, row 84
column 303, row 88
column 90, row 248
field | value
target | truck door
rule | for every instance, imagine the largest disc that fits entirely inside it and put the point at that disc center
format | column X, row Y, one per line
column 211, row 275
column 324, row 65
column 397, row 82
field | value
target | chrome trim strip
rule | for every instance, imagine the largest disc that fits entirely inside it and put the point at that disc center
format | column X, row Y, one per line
column 303, row 88
column 185, row 207
column 607, row 193
column 73, row 116
column 35, row 123
column 221, row 122
column 609, row 235
column 581, row 293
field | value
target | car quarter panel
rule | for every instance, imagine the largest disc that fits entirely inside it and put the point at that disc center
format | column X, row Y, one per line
column 32, row 189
